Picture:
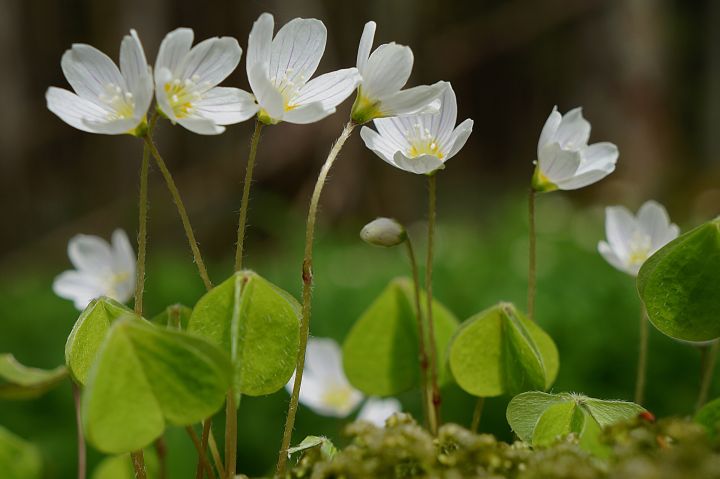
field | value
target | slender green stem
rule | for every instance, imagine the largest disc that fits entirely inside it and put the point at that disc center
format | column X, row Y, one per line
column 432, row 213
column 426, row 390
column 307, row 279
column 477, row 414
column 707, row 367
column 161, row 451
column 215, row 452
column 81, row 447
column 532, row 257
column 246, row 195
column 230, row 435
column 142, row 232
column 207, row 424
column 202, row 456
column 177, row 199
column 642, row 358
column 138, row 462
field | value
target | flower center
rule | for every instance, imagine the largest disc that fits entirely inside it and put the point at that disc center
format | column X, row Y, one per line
column 182, row 94
column 289, row 87
column 121, row 103
column 422, row 142
column 113, row 281
column 640, row 248
column 338, row 396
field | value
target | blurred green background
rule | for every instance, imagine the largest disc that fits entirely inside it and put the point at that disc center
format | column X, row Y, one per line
column 647, row 73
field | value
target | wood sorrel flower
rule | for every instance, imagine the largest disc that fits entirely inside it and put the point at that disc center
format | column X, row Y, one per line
column 325, row 388
column 377, row 410
column 101, row 269
column 633, row 239
column 421, row 143
column 107, row 100
column 565, row 160
column 279, row 72
column 384, row 73
column 186, row 82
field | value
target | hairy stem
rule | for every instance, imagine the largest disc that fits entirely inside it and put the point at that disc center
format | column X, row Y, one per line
column 230, row 435
column 246, row 195
column 207, row 424
column 81, row 448
column 642, row 359
column 477, row 414
column 425, row 388
column 138, row 462
column 204, row 464
column 532, row 257
column 307, row 279
column 432, row 213
column 707, row 367
column 142, row 232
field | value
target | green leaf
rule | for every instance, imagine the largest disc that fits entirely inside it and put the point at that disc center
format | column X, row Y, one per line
column 19, row 459
column 21, row 382
column 557, row 421
column 380, row 354
column 327, row 448
column 88, row 334
column 498, row 351
column 145, row 375
column 258, row 324
column 709, row 417
column 527, row 409
column 175, row 316
column 679, row 285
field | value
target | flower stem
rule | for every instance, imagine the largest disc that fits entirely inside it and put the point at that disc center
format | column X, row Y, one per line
column 207, row 424
column 426, row 390
column 432, row 213
column 161, row 451
column 138, row 461
column 246, row 195
column 307, row 279
column 204, row 463
column 82, row 449
column 477, row 414
column 181, row 211
column 532, row 257
column 707, row 367
column 215, row 452
column 230, row 435
column 642, row 359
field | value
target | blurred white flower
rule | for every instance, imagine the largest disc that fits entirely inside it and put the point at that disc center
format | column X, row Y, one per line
column 384, row 73
column 186, row 82
column 565, row 160
column 325, row 388
column 101, row 269
column 633, row 239
column 420, row 143
column 377, row 410
column 279, row 71
column 107, row 100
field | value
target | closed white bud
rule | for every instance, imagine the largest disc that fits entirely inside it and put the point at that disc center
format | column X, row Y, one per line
column 383, row 232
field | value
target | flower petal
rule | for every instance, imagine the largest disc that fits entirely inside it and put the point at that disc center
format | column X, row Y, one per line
column 558, row 164
column 413, row 101
column 620, row 226
column 377, row 410
column 123, row 254
column 73, row 110
column 420, row 165
column 260, row 41
column 268, row 97
column 173, row 49
column 135, row 69
column 379, row 144
column 330, row 89
column 308, row 113
column 226, row 106
column 653, row 220
column 582, row 180
column 90, row 254
column 200, row 125
column 459, row 137
column 324, row 360
column 387, row 70
column 366, row 41
column 211, row 61
column 607, row 252
column 113, row 127
column 599, row 156
column 89, row 71
column 77, row 287
column 547, row 134
column 573, row 131
column 441, row 125
column 296, row 51
column 394, row 130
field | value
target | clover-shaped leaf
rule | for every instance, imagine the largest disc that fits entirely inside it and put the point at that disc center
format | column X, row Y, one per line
column 176, row 316
column 327, row 448
column 21, row 382
column 499, row 351
column 19, row 459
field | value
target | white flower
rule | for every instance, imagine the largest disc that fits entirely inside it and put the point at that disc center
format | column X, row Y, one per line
column 377, row 410
column 565, row 160
column 279, row 71
column 421, row 143
column 186, row 82
column 633, row 239
column 325, row 388
column 107, row 100
column 384, row 73
column 101, row 269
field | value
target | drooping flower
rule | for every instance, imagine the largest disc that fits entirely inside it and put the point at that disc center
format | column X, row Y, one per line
column 384, row 73
column 385, row 232
column 421, row 143
column 565, row 160
column 325, row 388
column 633, row 239
column 186, row 82
column 377, row 410
column 107, row 100
column 101, row 269
column 279, row 71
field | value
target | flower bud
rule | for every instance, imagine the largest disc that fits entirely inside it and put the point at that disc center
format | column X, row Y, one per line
column 383, row 232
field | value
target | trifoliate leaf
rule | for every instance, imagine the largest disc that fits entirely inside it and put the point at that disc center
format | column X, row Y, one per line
column 145, row 376
column 499, row 351
column 19, row 459
column 327, row 448
column 257, row 324
column 22, row 382
column 176, row 316
column 679, row 285
column 380, row 355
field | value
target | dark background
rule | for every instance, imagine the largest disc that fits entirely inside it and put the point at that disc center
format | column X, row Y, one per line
column 647, row 73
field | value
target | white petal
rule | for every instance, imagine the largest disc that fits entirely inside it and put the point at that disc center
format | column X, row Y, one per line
column 620, row 226
column 582, row 180
column 135, row 69
column 296, row 51
column 211, row 61
column 163, row 76
column 557, row 164
column 607, row 252
column 420, row 165
column 330, row 89
column 77, row 287
column 459, row 137
column 114, row 127
column 91, row 254
column 379, row 144
column 394, row 130
column 200, row 125
column 260, row 41
column 441, row 125
column 308, row 113
column 123, row 254
column 654, row 221
column 268, row 97
column 324, row 360
column 387, row 70
column 413, row 101
column 89, row 71
column 377, row 410
column 599, row 156
column 173, row 49
column 73, row 110
column 366, row 41
column 226, row 106
column 573, row 131
column 547, row 134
